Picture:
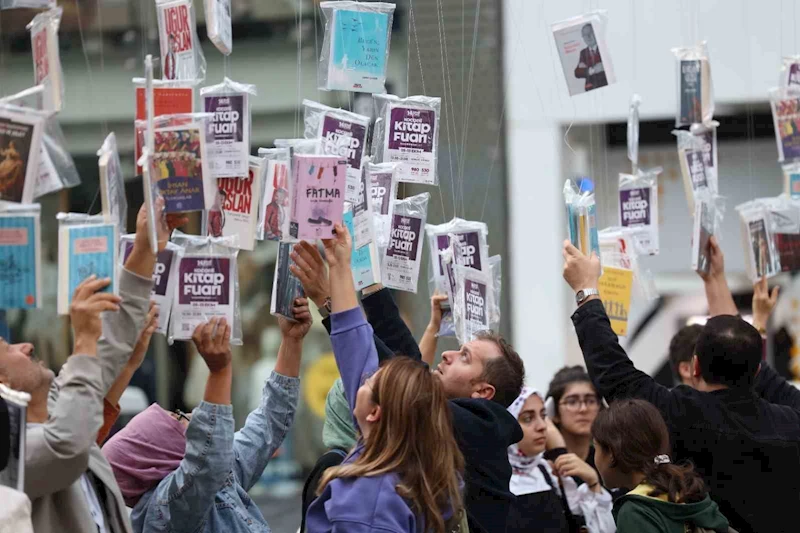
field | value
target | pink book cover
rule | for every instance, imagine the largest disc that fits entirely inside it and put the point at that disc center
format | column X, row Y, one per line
column 318, row 201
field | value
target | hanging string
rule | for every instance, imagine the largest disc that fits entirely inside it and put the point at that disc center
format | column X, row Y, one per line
column 446, row 99
column 299, row 17
column 225, row 66
column 102, row 59
column 316, row 50
column 465, row 128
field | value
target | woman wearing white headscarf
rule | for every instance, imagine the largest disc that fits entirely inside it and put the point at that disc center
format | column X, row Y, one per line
column 546, row 502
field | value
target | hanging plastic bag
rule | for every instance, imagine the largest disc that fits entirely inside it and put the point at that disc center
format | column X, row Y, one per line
column 708, row 212
column 21, row 132
column 273, row 220
column 13, row 473
column 633, row 132
column 383, row 190
column 319, row 183
column 400, row 264
column 790, row 72
column 784, row 229
column 785, row 114
column 706, row 135
column 581, row 219
column 165, row 278
column 46, row 59
column 408, row 133
column 762, row 260
column 236, row 208
column 473, row 251
column 355, row 50
column 300, row 146
column 791, row 180
column 87, row 245
column 112, row 184
column 343, row 134
column 584, row 54
column 638, row 208
column 618, row 249
column 208, row 286
column 229, row 129
column 218, row 24
column 180, row 162
column 364, row 260
column 181, row 55
column 20, row 256
column 695, row 88
column 693, row 160
column 472, row 301
column 286, row 287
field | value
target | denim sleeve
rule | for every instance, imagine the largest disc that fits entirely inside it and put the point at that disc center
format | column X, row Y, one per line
column 265, row 429
column 185, row 495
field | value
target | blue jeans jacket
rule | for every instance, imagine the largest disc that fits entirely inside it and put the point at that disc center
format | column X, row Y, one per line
column 208, row 491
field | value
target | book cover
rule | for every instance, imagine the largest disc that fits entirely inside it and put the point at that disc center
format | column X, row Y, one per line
column 166, row 101
column 585, row 59
column 476, row 317
column 401, row 262
column 638, row 209
column 359, row 45
column 228, row 140
column 409, row 140
column 20, row 150
column 235, row 211
column 786, row 115
column 47, row 61
column 165, row 278
column 615, row 292
column 277, row 200
column 792, row 181
column 469, row 249
column 382, row 189
column 702, row 232
column 694, row 173
column 85, row 250
column 346, row 139
column 787, row 246
column 20, row 261
column 762, row 262
column 179, row 167
column 364, row 261
column 176, row 37
column 318, row 203
column 205, row 291
column 691, row 89
column 286, row 288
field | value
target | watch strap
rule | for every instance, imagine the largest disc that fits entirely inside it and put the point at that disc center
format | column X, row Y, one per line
column 583, row 294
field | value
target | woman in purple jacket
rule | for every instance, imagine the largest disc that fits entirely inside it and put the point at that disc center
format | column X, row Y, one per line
column 404, row 473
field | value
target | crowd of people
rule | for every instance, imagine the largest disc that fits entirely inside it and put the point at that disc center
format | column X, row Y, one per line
column 412, row 447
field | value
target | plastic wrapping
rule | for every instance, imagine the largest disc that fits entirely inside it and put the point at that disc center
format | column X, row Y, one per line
column 112, row 183
column 273, row 219
column 706, row 134
column 229, row 129
column 236, row 208
column 407, row 132
column 708, row 213
column 318, row 203
column 618, row 249
column 762, row 260
column 300, row 146
column 286, row 287
column 790, row 72
column 165, row 278
column 218, row 24
column 473, row 251
column 46, row 58
column 146, row 161
column 32, row 4
column 21, row 132
column 695, row 88
column 87, row 245
column 13, row 475
column 581, row 219
column 496, row 271
column 694, row 160
column 633, row 132
column 401, row 260
column 208, row 286
column 383, row 189
column 784, row 230
column 791, row 180
column 364, row 259
column 584, row 54
column 473, row 298
column 785, row 115
column 342, row 134
column 638, row 208
column 355, row 50
column 181, row 55
column 20, row 256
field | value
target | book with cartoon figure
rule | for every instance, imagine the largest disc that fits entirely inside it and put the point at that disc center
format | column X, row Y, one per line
column 318, row 203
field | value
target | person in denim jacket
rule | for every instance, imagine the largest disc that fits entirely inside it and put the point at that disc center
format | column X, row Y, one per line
column 191, row 473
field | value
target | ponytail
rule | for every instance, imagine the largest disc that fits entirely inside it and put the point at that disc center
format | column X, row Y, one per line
column 680, row 483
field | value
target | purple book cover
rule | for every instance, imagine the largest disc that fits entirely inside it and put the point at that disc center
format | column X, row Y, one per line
column 344, row 139
column 410, row 140
column 380, row 189
column 405, row 237
column 228, row 146
column 634, row 207
column 162, row 269
column 318, row 202
column 470, row 250
column 475, row 300
column 204, row 280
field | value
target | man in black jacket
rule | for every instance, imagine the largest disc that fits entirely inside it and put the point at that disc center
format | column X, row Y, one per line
column 481, row 380
column 742, row 434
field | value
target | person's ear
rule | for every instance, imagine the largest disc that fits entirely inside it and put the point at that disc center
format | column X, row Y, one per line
column 758, row 370
column 483, row 390
column 374, row 415
column 696, row 367
column 685, row 370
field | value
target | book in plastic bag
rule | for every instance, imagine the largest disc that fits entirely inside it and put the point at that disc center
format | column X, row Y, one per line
column 355, row 50
column 364, row 259
column 786, row 117
column 86, row 245
column 791, row 180
column 319, row 189
column 273, row 221
column 236, row 209
column 694, row 160
column 695, row 89
column 181, row 55
column 472, row 252
column 229, row 128
column 581, row 219
column 584, row 54
column 46, row 59
column 20, row 149
column 218, row 24
column 286, row 288
column 790, row 72
column 471, row 302
column 706, row 217
column 761, row 258
column 13, row 475
column 20, row 256
column 383, row 189
column 112, row 183
column 165, row 278
column 400, row 264
column 638, row 208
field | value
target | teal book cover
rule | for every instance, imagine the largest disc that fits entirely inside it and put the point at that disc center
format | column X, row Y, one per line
column 19, row 262
column 359, row 42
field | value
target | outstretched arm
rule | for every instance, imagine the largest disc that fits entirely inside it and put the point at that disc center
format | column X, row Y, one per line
column 384, row 316
column 430, row 338
column 718, row 294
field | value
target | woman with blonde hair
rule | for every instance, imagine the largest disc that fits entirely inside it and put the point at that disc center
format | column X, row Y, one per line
column 404, row 473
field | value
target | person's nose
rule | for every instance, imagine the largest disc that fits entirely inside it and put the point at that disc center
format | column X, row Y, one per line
column 583, row 406
column 447, row 357
column 540, row 425
column 26, row 348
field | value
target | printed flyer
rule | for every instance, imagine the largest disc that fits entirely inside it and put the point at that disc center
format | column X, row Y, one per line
column 165, row 277
column 236, row 209
column 205, row 291
column 359, row 45
column 346, row 139
column 318, row 203
column 179, row 168
column 228, row 140
column 401, row 263
column 85, row 250
column 410, row 140
column 20, row 261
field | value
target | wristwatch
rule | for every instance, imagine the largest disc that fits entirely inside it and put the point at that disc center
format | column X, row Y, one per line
column 325, row 310
column 583, row 294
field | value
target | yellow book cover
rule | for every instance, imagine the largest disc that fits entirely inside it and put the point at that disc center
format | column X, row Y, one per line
column 615, row 292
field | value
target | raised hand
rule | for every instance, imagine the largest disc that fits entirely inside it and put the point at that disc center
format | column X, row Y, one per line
column 436, row 311
column 570, row 464
column 212, row 340
column 716, row 261
column 84, row 312
column 339, row 248
column 763, row 303
column 164, row 225
column 299, row 329
column 309, row 267
column 580, row 271
column 143, row 342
